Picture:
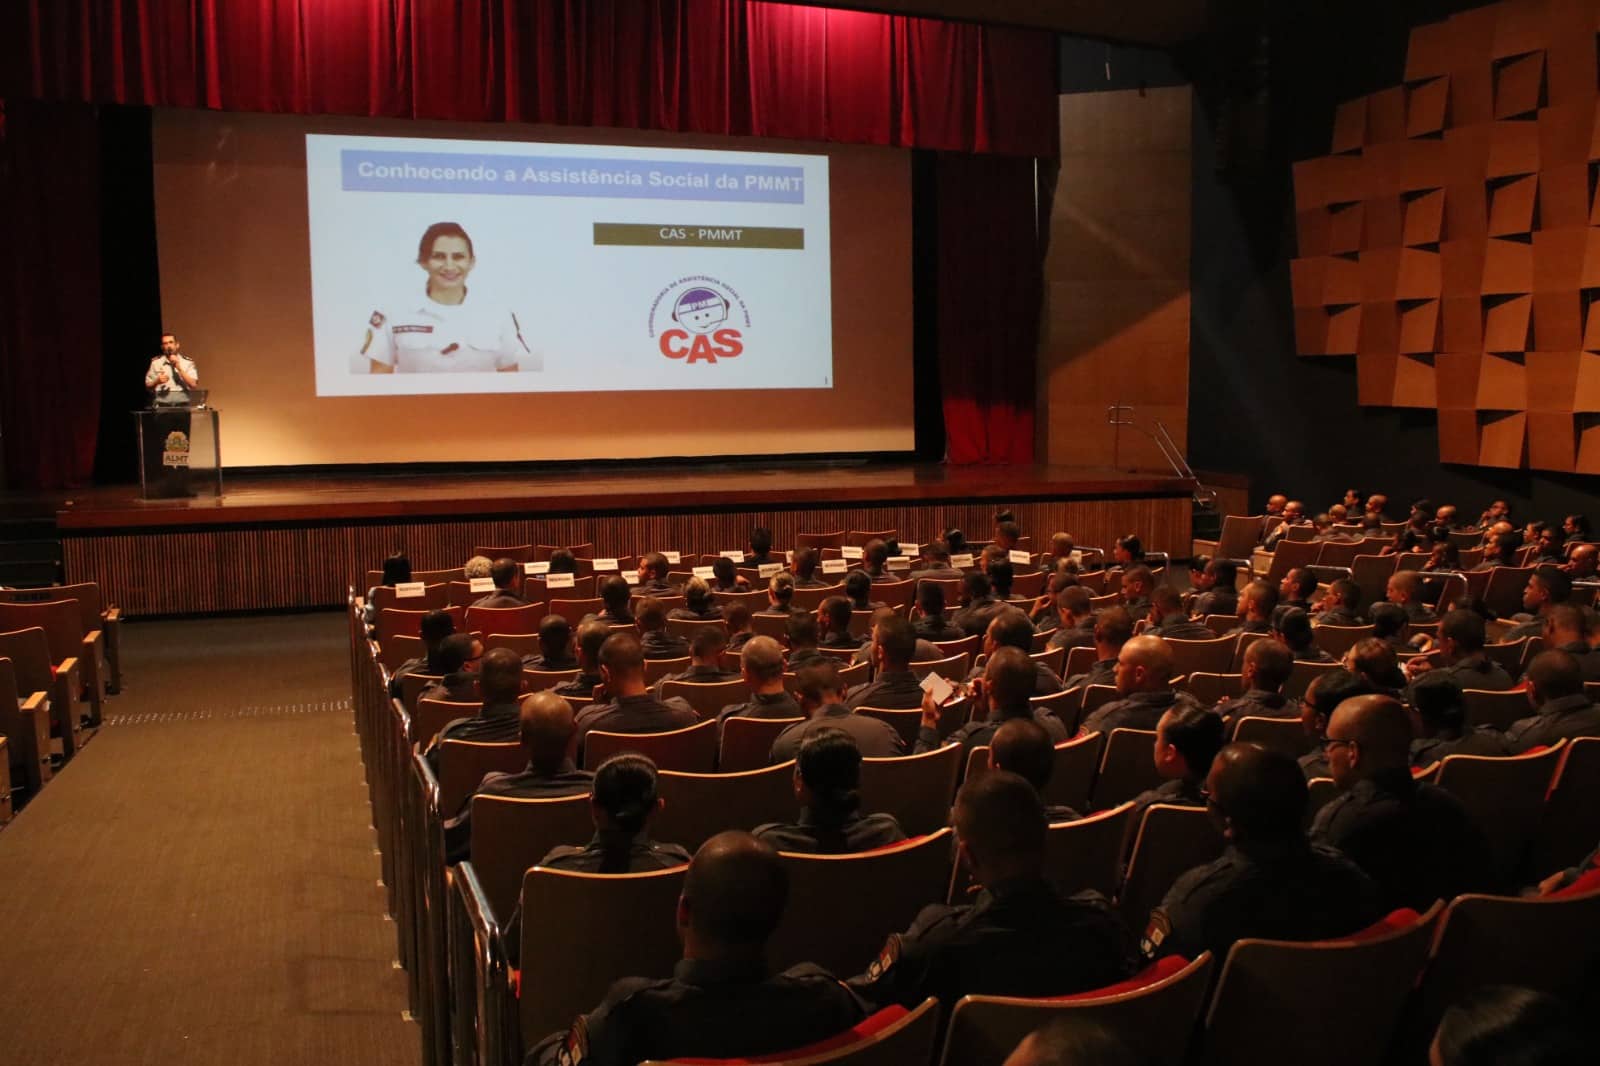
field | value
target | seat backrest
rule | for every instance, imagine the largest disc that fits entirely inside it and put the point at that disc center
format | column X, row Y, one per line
column 1087, row 853
column 393, row 621
column 523, row 619
column 538, row 680
column 860, row 623
column 398, row 649
column 1340, row 553
column 746, row 742
column 1571, row 822
column 411, row 686
column 885, row 889
column 894, row 593
column 1240, row 535
column 1503, row 594
column 1290, row 554
column 1221, row 624
column 966, row 645
column 1509, row 654
column 522, row 553
column 1371, row 573
column 859, row 537
column 953, row 668
column 687, row 628
column 1302, row 674
column 462, row 594
column 433, row 597
column 1152, row 1014
column 523, row 644
column 60, row 620
column 1079, row 660
column 1320, row 791
column 431, row 716
column 1284, row 735
column 1207, row 656
column 1169, row 841
column 1127, row 768
column 819, row 540
column 811, row 599
column 1072, row 774
column 1325, row 1003
column 574, row 610
column 756, row 600
column 699, row 806
column 574, row 948
column 916, row 789
column 906, row 721
column 1505, row 796
column 692, row 749
column 1245, row 640
column 1210, row 688
column 1054, row 658
column 707, row 700
column 1336, row 640
column 510, row 834
column 656, row 669
column 1497, row 709
column 1097, row 696
column 1028, row 585
column 463, row 764
column 29, row 652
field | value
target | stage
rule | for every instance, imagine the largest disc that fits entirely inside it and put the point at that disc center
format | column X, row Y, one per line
column 302, row 540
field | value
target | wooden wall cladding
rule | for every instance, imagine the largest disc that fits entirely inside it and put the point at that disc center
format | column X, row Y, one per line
column 253, row 568
column 1451, row 240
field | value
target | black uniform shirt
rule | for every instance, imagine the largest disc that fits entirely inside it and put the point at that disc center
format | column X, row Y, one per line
column 763, row 705
column 1425, row 751
column 636, row 714
column 494, row 723
column 1221, row 600
column 1140, row 710
column 1019, row 938
column 876, row 738
column 1079, row 636
column 858, row 832
column 1256, row 703
column 707, row 1009
column 893, row 690
column 1176, row 627
column 1567, row 716
column 1103, row 672
column 659, row 644
column 1477, row 672
column 979, row 731
column 582, row 685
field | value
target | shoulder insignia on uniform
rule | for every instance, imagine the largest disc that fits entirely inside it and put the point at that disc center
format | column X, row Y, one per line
column 1157, row 931
column 575, row 1048
column 886, row 958
column 376, row 320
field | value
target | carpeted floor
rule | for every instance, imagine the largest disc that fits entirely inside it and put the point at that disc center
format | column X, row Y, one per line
column 200, row 884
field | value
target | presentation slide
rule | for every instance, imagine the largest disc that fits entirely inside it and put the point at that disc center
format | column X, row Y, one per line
column 449, row 266
column 363, row 291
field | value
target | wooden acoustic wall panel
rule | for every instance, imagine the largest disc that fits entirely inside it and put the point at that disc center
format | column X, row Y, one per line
column 1450, row 241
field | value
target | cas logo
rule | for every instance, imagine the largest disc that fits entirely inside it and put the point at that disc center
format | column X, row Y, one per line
column 699, row 319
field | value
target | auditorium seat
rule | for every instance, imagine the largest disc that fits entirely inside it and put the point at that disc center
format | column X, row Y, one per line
column 1320, row 791
column 1494, row 708
column 1053, row 658
column 692, row 749
column 36, row 670
column 1087, row 853
column 573, row 946
column 68, row 637
column 916, row 789
column 1168, row 842
column 510, row 834
column 857, row 538
column 433, row 715
column 582, row 589
column 897, row 594
column 1152, row 1013
column 860, row 625
column 1127, row 768
column 656, row 669
column 884, row 889
column 1028, row 586
column 1511, row 654
column 25, row 722
column 394, row 621
column 811, row 599
column 1336, row 640
column 1289, row 555
column 1503, row 594
column 522, row 644
column 707, row 700
column 517, row 620
column 1570, row 826
column 1505, row 796
column 819, row 540
column 906, row 721
column 1322, row 1003
column 699, row 806
column 433, row 597
column 1371, row 574
column 1066, row 706
column 522, row 553
column 462, row 594
column 1096, row 697
column 463, row 764
column 954, row 668
column 1211, row 688
column 964, row 646
column 399, row 649
column 1207, row 656
column 890, row 1036
column 1221, row 624
column 93, row 613
column 1284, row 735
column 575, row 610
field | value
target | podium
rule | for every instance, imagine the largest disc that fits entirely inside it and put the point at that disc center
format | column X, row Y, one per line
column 180, row 452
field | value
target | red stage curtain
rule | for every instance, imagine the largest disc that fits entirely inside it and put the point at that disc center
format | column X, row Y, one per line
column 707, row 66
column 50, row 349
column 990, row 291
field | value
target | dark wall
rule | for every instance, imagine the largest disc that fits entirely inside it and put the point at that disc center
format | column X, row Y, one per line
column 1255, row 407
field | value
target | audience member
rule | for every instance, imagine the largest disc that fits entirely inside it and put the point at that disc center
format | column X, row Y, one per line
column 396, row 571
column 1169, row 620
column 1113, row 628
column 725, row 577
column 761, row 666
column 1219, row 591
column 698, row 606
column 1266, row 667
column 622, row 799
column 1404, row 590
column 827, row 784
column 705, row 660
column 591, row 637
column 477, row 566
column 1499, row 1025
column 507, row 577
column 1555, row 689
column 833, row 623
column 780, row 594
column 760, row 553
column 435, row 626
column 1297, row 588
column 1256, row 605
column 1010, row 628
column 1460, row 657
column 555, row 646
column 936, row 562
column 617, row 600
column 622, row 703
column 981, row 605
column 1376, row 662
column 653, row 576
column 931, row 623
column 858, row 591
column 806, row 562
column 1023, row 747
column 1582, row 563
column 1323, row 695
column 1439, row 722
column 1292, row 627
column 459, row 656
column 801, row 638
column 1144, row 688
column 1188, row 738
column 1548, row 587
column 893, row 686
column 498, row 718
column 1566, row 629
column 1389, row 625
column 821, row 694
column 1076, row 625
column 737, row 617
column 655, row 639
column 1340, row 604
column 1004, row 691
column 1137, row 584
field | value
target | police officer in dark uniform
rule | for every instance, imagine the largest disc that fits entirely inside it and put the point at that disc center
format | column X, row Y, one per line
column 1021, row 937
column 1113, row 627
column 895, row 687
column 1022, row 746
column 1565, row 712
column 1075, row 619
column 653, row 576
column 1460, row 656
column 1266, row 667
column 1414, row 839
column 622, row 799
column 981, row 606
column 1169, row 620
column 507, row 575
column 499, row 719
column 555, row 646
column 761, row 666
column 1271, row 882
column 827, row 782
column 1144, row 689
column 1010, row 628
column 721, row 1001
column 822, row 698
column 628, row 706
column 1001, row 694
column 591, row 638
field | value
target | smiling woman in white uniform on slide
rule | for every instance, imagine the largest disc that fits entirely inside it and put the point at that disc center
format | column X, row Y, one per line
column 444, row 331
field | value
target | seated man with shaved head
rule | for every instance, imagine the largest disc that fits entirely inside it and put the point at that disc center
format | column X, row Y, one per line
column 1144, row 688
column 761, row 666
column 622, row 703
column 1271, row 882
column 1566, row 628
column 1555, row 688
column 1168, row 618
column 1414, row 839
column 721, row 1000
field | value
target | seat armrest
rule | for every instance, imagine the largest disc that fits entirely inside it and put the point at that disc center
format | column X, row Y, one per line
column 38, row 701
column 111, row 615
column 36, row 745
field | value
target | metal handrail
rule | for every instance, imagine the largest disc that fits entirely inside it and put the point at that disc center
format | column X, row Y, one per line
column 1121, row 414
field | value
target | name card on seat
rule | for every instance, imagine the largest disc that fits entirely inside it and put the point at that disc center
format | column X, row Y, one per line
column 961, row 562
column 673, row 557
column 631, row 577
column 788, row 556
column 407, row 590
column 736, row 555
column 850, row 551
column 1021, row 558
column 907, row 548
column 605, row 564
column 898, row 562
column 536, row 568
column 834, row 566
column 559, row 581
column 481, row 584
column 704, row 573
column 769, row 569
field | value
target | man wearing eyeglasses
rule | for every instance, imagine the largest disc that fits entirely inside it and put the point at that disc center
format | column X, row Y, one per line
column 1414, row 839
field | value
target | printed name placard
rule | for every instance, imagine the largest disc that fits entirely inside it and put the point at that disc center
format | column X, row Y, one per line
column 704, row 573
column 961, row 562
column 898, row 562
column 407, row 590
column 788, row 557
column 605, row 564
column 673, row 557
column 480, row 584
column 769, row 569
column 850, row 552
column 909, row 549
column 1020, row 557
column 736, row 555
column 536, row 568
column 631, row 577
column 559, row 581
column 834, row 566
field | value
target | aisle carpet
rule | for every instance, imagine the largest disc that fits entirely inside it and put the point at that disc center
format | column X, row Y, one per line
column 200, row 884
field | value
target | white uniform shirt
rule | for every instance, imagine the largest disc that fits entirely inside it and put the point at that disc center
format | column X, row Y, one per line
column 173, row 388
column 432, row 337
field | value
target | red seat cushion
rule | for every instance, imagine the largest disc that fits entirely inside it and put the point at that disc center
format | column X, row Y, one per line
column 1587, row 882
column 863, row 1029
column 1392, row 922
column 1157, row 971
